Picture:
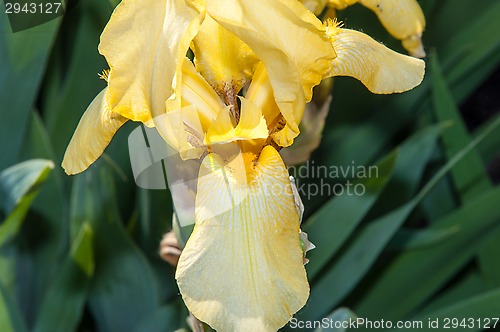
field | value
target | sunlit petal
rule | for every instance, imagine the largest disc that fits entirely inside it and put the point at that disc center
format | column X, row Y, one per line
column 197, row 92
column 278, row 33
column 379, row 68
column 225, row 61
column 145, row 43
column 242, row 268
column 93, row 134
column 403, row 19
column 252, row 125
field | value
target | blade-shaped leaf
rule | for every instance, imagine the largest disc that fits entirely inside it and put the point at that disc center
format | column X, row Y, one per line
column 10, row 316
column 416, row 274
column 330, row 226
column 124, row 289
column 19, row 185
column 69, row 288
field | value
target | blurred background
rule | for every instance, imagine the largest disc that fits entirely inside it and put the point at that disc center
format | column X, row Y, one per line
column 80, row 253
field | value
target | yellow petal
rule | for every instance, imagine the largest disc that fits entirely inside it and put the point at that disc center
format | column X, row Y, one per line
column 341, row 4
column 145, row 43
column 182, row 130
column 315, row 6
column 291, row 43
column 92, row 135
column 379, row 68
column 241, row 269
column 197, row 92
column 403, row 19
column 260, row 93
column 252, row 125
column 225, row 61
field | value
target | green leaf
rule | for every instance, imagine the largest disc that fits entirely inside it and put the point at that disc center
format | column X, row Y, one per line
column 416, row 274
column 486, row 305
column 124, row 289
column 349, row 268
column 169, row 317
column 407, row 239
column 470, row 284
column 70, row 89
column 469, row 175
column 368, row 244
column 10, row 316
column 330, row 226
column 67, row 295
column 23, row 59
column 488, row 148
column 19, row 185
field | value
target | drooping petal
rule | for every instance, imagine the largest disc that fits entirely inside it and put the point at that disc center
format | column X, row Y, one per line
column 242, row 268
column 291, row 43
column 95, row 130
column 225, row 61
column 379, row 68
column 145, row 43
column 403, row 19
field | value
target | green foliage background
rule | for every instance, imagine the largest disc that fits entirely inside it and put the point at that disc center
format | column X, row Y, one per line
column 80, row 253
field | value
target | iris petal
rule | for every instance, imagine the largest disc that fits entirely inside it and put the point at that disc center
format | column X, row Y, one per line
column 277, row 36
column 95, row 130
column 242, row 268
column 225, row 61
column 252, row 125
column 379, row 68
column 403, row 19
column 145, row 43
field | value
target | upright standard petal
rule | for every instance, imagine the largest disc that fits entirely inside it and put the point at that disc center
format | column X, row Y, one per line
column 95, row 130
column 379, row 68
column 403, row 19
column 145, row 43
column 242, row 268
column 291, row 43
column 225, row 61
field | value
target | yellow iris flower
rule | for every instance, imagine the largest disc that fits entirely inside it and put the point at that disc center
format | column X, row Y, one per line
column 235, row 107
column 403, row 19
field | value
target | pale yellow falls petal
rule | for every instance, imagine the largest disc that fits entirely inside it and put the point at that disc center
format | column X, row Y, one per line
column 252, row 125
column 95, row 130
column 242, row 268
column 291, row 43
column 225, row 61
column 379, row 68
column 403, row 19
column 145, row 43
